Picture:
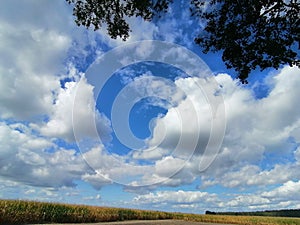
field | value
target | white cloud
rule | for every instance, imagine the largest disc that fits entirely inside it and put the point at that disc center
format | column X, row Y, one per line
column 176, row 197
column 254, row 176
column 67, row 114
column 17, row 98
column 35, row 52
column 186, row 125
column 284, row 196
column 141, row 30
column 113, row 168
column 297, row 155
column 184, row 131
column 289, row 191
column 36, row 41
column 32, row 51
column 35, row 13
column 17, row 136
column 168, row 166
column 255, row 128
column 245, row 200
column 91, row 198
column 172, row 27
column 26, row 158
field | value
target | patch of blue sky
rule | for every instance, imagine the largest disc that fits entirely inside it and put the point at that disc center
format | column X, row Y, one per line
column 79, row 58
column 11, row 121
column 142, row 117
column 261, row 90
column 283, row 152
column 224, row 191
column 105, row 99
column 65, row 80
column 145, row 110
column 272, row 159
column 258, row 83
column 66, row 145
column 115, row 193
column 159, row 69
column 120, row 78
column 117, row 147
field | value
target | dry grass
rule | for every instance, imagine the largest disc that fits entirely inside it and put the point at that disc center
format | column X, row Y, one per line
column 242, row 220
column 24, row 212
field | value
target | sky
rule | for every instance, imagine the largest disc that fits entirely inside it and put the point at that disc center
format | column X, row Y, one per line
column 150, row 123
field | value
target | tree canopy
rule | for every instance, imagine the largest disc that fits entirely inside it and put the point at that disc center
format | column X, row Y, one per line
column 250, row 34
column 113, row 13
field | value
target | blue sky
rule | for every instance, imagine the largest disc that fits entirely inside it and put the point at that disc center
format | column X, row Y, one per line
column 152, row 123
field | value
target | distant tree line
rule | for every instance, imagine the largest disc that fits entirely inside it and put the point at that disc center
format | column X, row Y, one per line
column 277, row 213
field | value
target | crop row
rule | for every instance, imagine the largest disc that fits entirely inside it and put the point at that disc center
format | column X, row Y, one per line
column 29, row 212
column 16, row 212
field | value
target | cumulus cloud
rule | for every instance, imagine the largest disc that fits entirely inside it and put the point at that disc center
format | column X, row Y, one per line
column 36, row 39
column 289, row 191
column 250, row 135
column 242, row 201
column 28, row 159
column 112, row 168
column 172, row 26
column 35, row 53
column 31, row 51
column 257, row 127
column 23, row 71
column 183, row 132
column 284, row 196
column 242, row 151
column 67, row 115
column 176, row 197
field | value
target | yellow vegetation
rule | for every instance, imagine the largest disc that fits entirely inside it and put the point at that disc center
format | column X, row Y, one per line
column 22, row 212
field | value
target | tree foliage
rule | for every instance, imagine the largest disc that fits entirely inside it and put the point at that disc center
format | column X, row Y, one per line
column 113, row 13
column 249, row 33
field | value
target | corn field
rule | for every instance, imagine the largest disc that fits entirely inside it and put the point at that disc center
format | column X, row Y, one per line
column 16, row 212
column 30, row 212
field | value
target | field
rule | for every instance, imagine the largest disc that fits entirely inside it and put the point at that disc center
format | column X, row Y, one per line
column 25, row 212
